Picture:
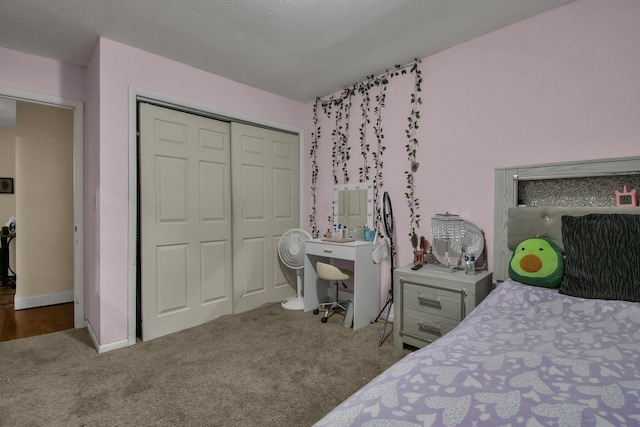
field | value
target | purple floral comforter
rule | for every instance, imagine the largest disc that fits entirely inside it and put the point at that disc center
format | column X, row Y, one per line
column 526, row 356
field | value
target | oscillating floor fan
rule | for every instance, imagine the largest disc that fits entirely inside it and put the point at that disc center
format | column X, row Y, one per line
column 291, row 253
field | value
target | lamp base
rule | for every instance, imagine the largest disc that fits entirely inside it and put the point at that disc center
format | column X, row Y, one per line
column 446, row 268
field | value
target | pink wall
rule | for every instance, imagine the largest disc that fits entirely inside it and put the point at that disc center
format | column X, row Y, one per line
column 558, row 87
column 561, row 86
column 40, row 75
column 121, row 67
column 91, row 190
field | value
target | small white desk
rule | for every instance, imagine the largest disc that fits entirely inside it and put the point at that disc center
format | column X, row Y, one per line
column 366, row 277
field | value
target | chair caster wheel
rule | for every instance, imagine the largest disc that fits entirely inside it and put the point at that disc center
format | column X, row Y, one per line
column 316, row 311
column 324, row 320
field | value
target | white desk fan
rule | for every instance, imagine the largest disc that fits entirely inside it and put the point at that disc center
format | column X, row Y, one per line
column 291, row 253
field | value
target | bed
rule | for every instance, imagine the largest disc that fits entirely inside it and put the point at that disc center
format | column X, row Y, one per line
column 528, row 355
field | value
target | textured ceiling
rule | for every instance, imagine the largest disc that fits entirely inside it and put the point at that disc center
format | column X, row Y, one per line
column 300, row 49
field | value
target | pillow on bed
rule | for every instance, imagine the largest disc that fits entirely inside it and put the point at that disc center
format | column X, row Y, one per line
column 602, row 256
column 538, row 262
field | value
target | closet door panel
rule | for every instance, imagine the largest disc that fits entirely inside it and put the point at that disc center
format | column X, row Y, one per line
column 214, row 200
column 185, row 214
column 266, row 203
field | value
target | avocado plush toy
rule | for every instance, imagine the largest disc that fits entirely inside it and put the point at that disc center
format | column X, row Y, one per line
column 537, row 261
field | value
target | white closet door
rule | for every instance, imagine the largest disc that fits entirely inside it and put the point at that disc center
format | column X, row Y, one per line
column 185, row 217
column 266, row 203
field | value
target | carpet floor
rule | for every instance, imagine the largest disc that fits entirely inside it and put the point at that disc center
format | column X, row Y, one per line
column 266, row 367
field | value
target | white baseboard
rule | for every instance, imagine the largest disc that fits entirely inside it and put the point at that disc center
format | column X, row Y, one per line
column 107, row 347
column 22, row 303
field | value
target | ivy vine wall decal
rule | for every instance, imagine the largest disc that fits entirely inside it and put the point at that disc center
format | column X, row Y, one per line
column 337, row 109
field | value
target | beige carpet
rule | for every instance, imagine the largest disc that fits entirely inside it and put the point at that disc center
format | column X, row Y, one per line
column 267, row 367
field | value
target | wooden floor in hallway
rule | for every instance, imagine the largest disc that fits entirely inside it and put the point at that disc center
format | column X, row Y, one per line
column 29, row 322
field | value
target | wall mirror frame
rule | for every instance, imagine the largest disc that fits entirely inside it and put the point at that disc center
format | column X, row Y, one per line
column 353, row 204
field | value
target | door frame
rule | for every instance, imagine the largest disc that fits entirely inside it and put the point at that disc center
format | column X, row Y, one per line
column 138, row 94
column 77, row 107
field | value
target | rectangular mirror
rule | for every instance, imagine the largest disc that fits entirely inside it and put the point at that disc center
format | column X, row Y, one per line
column 353, row 205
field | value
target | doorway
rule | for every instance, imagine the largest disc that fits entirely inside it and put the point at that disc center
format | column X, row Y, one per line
column 74, row 258
column 60, row 283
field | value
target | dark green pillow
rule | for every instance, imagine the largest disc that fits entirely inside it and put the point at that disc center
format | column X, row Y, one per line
column 537, row 261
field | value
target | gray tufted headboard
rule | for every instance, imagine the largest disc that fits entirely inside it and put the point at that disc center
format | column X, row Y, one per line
column 524, row 223
column 506, row 196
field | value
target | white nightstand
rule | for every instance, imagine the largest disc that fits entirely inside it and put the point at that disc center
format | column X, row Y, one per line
column 430, row 302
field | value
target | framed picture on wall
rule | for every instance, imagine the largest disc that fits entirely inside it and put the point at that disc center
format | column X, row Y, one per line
column 6, row 185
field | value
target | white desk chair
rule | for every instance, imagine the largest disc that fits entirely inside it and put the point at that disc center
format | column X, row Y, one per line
column 332, row 274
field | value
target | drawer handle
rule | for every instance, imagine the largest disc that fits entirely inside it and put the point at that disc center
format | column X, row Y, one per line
column 435, row 330
column 433, row 303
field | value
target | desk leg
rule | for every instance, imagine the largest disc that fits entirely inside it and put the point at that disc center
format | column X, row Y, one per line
column 366, row 289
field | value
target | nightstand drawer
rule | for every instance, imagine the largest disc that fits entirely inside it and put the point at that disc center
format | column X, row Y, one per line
column 425, row 327
column 433, row 300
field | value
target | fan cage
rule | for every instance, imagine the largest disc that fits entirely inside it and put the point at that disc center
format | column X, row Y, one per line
column 291, row 248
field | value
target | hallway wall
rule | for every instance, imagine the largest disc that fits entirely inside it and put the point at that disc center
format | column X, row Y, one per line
column 44, row 203
column 8, row 170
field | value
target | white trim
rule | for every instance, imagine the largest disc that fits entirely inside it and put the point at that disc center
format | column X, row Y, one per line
column 108, row 347
column 134, row 93
column 78, row 186
column 21, row 303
